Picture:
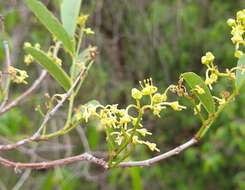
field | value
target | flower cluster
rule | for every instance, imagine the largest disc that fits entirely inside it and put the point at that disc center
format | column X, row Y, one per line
column 158, row 101
column 17, row 76
column 118, row 123
column 237, row 32
column 122, row 127
column 81, row 21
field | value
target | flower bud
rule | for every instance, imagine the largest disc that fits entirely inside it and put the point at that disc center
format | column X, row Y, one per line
column 136, row 94
column 231, row 22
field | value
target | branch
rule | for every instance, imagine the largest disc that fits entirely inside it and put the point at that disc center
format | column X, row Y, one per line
column 50, row 164
column 36, row 136
column 23, row 96
column 163, row 156
column 90, row 158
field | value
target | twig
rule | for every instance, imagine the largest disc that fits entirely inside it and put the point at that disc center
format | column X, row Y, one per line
column 156, row 159
column 23, row 177
column 6, row 81
column 50, row 164
column 36, row 136
column 22, row 180
column 60, row 103
column 83, row 138
column 23, row 96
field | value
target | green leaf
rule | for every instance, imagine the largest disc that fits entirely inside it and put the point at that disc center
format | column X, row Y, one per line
column 82, row 59
column 69, row 13
column 136, row 178
column 52, row 24
column 55, row 70
column 93, row 103
column 206, row 98
column 240, row 75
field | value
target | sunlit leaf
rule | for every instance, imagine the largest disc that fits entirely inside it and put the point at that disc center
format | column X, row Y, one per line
column 52, row 24
column 69, row 13
column 55, row 70
column 240, row 75
column 206, row 99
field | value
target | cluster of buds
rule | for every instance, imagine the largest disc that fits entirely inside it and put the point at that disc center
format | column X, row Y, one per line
column 81, row 21
column 208, row 58
column 212, row 72
column 237, row 32
column 17, row 76
column 158, row 101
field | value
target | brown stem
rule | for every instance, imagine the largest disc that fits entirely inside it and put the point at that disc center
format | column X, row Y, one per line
column 50, row 164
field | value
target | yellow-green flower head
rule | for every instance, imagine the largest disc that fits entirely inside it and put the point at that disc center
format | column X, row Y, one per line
column 119, row 139
column 240, row 16
column 238, row 54
column 37, row 46
column 208, row 58
column 88, row 31
column 237, row 33
column 197, row 109
column 135, row 139
column 214, row 77
column 231, row 22
column 148, row 88
column 152, row 146
column 143, row 132
column 81, row 20
column 125, row 119
column 199, row 89
column 27, row 44
column 157, row 98
column 157, row 109
column 176, row 106
column 136, row 94
column 17, row 76
column 28, row 59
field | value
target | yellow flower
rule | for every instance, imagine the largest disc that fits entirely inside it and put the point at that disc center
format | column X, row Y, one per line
column 238, row 54
column 88, row 31
column 81, row 20
column 27, row 44
column 157, row 110
column 136, row 94
column 197, row 109
column 18, row 76
column 175, row 105
column 199, row 89
column 152, row 146
column 28, row 59
column 143, row 132
column 37, row 46
column 231, row 22
column 208, row 58
column 157, row 98
column 148, row 88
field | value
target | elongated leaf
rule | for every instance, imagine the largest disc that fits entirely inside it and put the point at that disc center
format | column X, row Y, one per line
column 136, row 179
column 206, row 98
column 52, row 24
column 69, row 13
column 240, row 75
column 54, row 70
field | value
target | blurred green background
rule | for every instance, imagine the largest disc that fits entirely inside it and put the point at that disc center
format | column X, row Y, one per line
column 136, row 39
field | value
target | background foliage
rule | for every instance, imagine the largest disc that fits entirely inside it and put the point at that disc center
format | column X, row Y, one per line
column 136, row 40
